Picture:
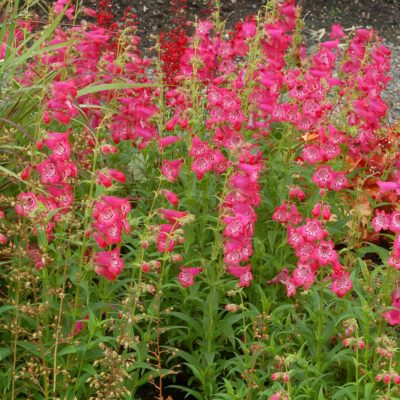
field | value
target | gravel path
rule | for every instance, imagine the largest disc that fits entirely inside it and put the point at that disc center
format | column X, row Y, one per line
column 392, row 94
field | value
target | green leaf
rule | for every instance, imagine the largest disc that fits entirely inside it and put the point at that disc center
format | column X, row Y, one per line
column 4, row 352
column 67, row 350
column 111, row 86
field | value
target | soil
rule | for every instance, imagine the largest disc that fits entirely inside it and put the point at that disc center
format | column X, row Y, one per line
column 382, row 15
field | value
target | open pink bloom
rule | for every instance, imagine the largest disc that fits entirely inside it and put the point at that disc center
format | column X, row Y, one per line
column 26, row 203
column 311, row 154
column 243, row 273
column 59, row 145
column 199, row 148
column 281, row 214
column 48, row 172
column 187, row 275
column 341, row 284
column 282, row 277
column 381, row 221
column 165, row 240
column 219, row 162
column 338, row 182
column 395, row 222
column 324, row 176
column 171, row 169
column 303, row 275
column 325, row 253
column 313, row 230
column 392, row 316
column 108, row 264
column 110, row 220
column 396, row 297
column 290, row 288
column 394, row 262
column 201, row 165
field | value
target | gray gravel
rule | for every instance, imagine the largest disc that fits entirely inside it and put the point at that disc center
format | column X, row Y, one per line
column 392, row 94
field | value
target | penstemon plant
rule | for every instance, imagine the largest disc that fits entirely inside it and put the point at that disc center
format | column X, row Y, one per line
column 216, row 222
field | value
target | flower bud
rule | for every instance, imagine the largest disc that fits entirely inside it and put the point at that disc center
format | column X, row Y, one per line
column 387, row 378
column 145, row 267
column 276, row 375
column 3, row 239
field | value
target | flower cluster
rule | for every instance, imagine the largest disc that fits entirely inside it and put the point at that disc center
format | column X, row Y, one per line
column 312, row 249
column 239, row 215
column 110, row 215
column 55, row 173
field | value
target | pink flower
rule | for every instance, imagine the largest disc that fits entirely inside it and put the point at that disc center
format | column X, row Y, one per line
column 295, row 192
column 325, row 253
column 243, row 273
column 59, row 6
column 117, row 175
column 171, row 197
column 395, row 222
column 303, row 275
column 167, row 141
column 231, row 307
column 103, row 180
column 388, row 186
column 37, row 257
column 281, row 214
column 311, row 154
column 165, row 239
column 324, row 176
column 172, row 216
column 341, row 284
column 89, row 12
column 326, row 212
column 281, row 277
column 338, row 182
column 394, row 261
column 336, row 32
column 26, row 203
column 187, row 275
column 200, row 166
column 78, row 327
column 171, row 169
column 108, row 264
column 48, row 172
column 59, row 145
column 3, row 239
column 199, row 148
column 26, row 172
column 392, row 316
column 312, row 230
column 108, row 149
